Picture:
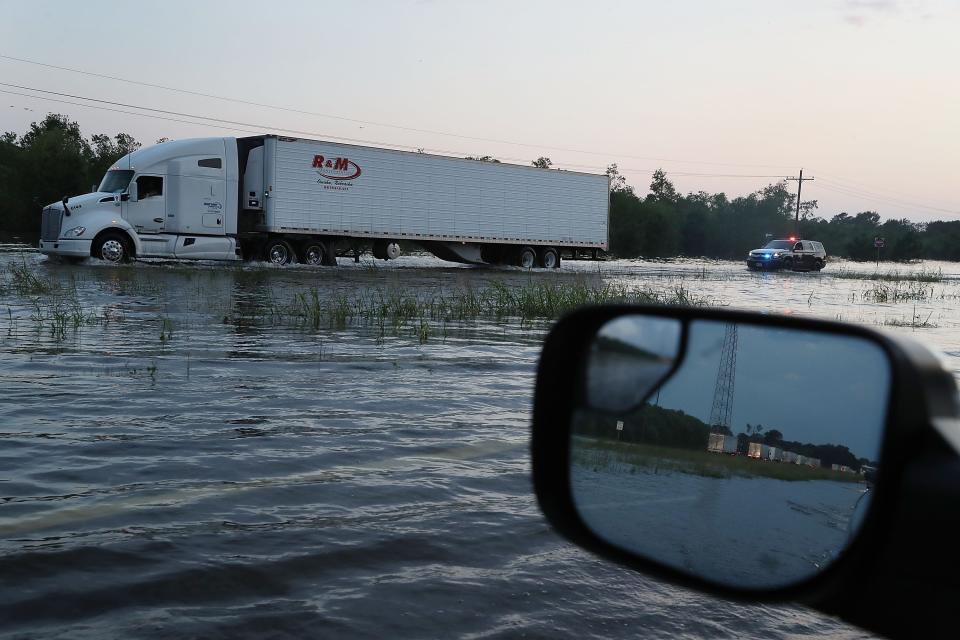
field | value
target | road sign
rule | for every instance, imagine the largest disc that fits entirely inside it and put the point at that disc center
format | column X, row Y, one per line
column 879, row 242
column 619, row 425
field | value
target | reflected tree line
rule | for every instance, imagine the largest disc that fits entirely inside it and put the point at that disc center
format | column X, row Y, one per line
column 656, row 425
column 52, row 159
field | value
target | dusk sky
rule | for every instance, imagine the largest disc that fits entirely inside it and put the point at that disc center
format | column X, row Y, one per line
column 862, row 94
column 783, row 381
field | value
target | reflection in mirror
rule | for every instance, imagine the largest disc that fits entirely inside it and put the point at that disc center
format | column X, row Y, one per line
column 628, row 359
column 750, row 465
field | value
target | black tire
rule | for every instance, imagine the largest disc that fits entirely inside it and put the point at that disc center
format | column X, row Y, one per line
column 788, row 264
column 112, row 246
column 314, row 253
column 279, row 252
column 527, row 258
column 550, row 258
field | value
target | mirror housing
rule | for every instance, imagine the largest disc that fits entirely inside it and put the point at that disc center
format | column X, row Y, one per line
column 131, row 192
column 896, row 576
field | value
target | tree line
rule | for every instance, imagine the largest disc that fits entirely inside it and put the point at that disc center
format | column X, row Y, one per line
column 53, row 159
column 666, row 224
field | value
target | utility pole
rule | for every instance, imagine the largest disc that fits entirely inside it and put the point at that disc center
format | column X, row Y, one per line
column 799, row 187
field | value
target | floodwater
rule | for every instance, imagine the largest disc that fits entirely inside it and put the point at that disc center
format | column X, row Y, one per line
column 746, row 532
column 178, row 461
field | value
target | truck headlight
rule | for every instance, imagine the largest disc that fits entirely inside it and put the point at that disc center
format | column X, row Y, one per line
column 76, row 232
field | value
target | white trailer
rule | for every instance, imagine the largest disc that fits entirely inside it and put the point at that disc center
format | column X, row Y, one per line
column 761, row 451
column 720, row 443
column 287, row 200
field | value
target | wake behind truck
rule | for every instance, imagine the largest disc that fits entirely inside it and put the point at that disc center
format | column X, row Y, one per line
column 289, row 200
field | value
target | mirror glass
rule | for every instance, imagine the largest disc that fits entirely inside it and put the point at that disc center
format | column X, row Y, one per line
column 746, row 459
column 629, row 357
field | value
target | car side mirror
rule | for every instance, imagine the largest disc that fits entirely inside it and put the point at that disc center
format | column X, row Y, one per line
column 754, row 457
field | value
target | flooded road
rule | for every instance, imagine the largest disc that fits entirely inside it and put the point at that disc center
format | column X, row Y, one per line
column 186, row 451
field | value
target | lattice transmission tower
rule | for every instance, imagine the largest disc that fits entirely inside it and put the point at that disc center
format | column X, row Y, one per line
column 726, row 376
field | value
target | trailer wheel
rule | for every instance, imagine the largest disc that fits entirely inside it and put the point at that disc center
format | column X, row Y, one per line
column 278, row 251
column 112, row 246
column 527, row 258
column 393, row 250
column 314, row 253
column 550, row 258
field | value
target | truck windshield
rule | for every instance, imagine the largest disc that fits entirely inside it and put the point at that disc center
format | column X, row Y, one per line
column 115, row 181
column 778, row 244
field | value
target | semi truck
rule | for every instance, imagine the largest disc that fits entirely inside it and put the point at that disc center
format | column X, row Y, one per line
column 286, row 200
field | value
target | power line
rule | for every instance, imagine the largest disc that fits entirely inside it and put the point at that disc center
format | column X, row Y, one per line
column 799, row 182
column 877, row 198
column 840, row 187
column 379, row 124
column 132, row 113
column 866, row 188
column 259, row 129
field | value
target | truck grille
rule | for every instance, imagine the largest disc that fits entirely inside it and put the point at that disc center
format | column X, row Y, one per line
column 50, row 224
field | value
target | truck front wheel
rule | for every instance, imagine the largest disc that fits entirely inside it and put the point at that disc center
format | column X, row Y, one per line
column 112, row 246
column 278, row 251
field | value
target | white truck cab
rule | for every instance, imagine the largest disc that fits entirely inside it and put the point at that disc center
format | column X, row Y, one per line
column 176, row 199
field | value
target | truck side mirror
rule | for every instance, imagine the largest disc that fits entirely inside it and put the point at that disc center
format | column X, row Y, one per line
column 132, row 192
column 684, row 443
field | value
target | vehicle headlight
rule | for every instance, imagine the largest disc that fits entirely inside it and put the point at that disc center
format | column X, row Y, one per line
column 777, row 254
column 76, row 232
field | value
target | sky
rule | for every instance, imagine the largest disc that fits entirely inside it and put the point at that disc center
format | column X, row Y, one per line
column 860, row 94
column 781, row 382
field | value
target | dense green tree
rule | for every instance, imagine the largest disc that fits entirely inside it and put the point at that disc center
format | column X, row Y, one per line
column 618, row 183
column 51, row 160
column 661, row 189
column 542, row 163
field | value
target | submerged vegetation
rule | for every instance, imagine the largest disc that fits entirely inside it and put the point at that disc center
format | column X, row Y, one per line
column 171, row 299
column 923, row 275
column 42, row 303
column 497, row 302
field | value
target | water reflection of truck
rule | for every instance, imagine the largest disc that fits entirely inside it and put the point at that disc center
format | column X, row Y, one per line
column 288, row 200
